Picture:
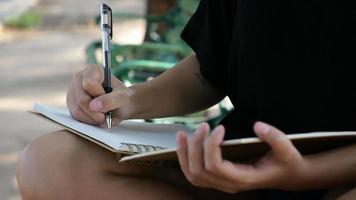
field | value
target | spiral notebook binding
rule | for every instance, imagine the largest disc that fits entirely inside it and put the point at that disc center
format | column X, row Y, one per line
column 143, row 148
column 150, row 163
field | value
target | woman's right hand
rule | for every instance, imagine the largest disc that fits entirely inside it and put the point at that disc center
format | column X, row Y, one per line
column 88, row 102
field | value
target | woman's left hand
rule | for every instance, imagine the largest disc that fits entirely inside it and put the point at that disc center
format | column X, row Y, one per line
column 201, row 161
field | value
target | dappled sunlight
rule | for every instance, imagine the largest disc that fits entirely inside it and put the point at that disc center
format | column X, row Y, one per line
column 37, row 65
column 9, row 158
column 129, row 31
column 25, row 103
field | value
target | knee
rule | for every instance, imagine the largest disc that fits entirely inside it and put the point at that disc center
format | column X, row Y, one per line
column 38, row 170
column 61, row 165
column 349, row 195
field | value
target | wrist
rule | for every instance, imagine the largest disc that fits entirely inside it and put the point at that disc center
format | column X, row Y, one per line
column 291, row 178
column 303, row 176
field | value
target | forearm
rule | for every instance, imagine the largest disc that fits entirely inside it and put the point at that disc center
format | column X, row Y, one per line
column 180, row 90
column 333, row 168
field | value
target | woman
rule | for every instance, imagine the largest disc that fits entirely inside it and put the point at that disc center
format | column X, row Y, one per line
column 285, row 63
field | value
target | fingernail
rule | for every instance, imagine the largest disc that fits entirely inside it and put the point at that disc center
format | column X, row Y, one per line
column 201, row 127
column 219, row 133
column 263, row 128
column 97, row 105
column 180, row 137
column 218, row 129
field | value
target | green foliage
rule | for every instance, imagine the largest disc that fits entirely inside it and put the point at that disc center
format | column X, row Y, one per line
column 26, row 20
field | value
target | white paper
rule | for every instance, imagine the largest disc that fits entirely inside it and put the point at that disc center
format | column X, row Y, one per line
column 162, row 135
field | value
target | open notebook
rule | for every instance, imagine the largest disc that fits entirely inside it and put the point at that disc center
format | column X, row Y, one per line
column 140, row 141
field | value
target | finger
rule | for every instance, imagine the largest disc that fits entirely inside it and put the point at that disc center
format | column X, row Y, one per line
column 93, row 77
column 281, row 146
column 212, row 151
column 213, row 161
column 77, row 113
column 83, row 100
column 221, row 172
column 116, row 121
column 182, row 153
column 108, row 102
column 202, row 180
column 239, row 177
column 195, row 149
column 244, row 176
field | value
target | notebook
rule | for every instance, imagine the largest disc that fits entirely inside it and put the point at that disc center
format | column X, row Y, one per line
column 147, row 143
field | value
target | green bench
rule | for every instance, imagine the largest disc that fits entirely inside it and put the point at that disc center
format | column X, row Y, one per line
column 160, row 51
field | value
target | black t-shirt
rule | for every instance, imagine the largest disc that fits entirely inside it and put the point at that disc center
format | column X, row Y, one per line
column 287, row 63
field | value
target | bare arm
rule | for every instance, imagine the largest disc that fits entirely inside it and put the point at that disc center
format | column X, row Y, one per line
column 180, row 90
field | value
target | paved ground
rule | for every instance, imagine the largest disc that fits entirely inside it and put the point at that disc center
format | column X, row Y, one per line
column 37, row 65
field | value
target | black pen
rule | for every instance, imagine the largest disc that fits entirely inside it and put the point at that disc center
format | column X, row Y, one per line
column 106, row 32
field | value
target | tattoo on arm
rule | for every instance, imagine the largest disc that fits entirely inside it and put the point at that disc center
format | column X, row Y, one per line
column 201, row 78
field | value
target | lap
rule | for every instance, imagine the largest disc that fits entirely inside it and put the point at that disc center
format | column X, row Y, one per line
column 63, row 146
column 89, row 162
column 66, row 156
column 172, row 176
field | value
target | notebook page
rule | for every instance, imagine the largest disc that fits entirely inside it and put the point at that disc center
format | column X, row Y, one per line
column 131, row 132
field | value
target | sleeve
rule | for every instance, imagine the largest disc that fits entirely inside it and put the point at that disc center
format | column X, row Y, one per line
column 208, row 33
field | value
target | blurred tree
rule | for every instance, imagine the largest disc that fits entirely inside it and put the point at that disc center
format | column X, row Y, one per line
column 157, row 8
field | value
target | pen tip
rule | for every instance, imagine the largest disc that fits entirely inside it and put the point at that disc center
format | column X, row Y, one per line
column 109, row 121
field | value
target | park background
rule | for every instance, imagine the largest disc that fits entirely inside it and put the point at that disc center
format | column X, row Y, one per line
column 38, row 55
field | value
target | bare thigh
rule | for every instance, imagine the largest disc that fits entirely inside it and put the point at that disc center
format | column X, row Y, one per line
column 62, row 165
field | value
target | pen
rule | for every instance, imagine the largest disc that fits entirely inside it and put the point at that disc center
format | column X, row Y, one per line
column 106, row 33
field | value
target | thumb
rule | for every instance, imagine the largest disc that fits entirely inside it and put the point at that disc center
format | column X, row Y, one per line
column 281, row 146
column 110, row 101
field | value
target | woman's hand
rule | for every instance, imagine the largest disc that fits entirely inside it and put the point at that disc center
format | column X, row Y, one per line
column 202, row 163
column 87, row 101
